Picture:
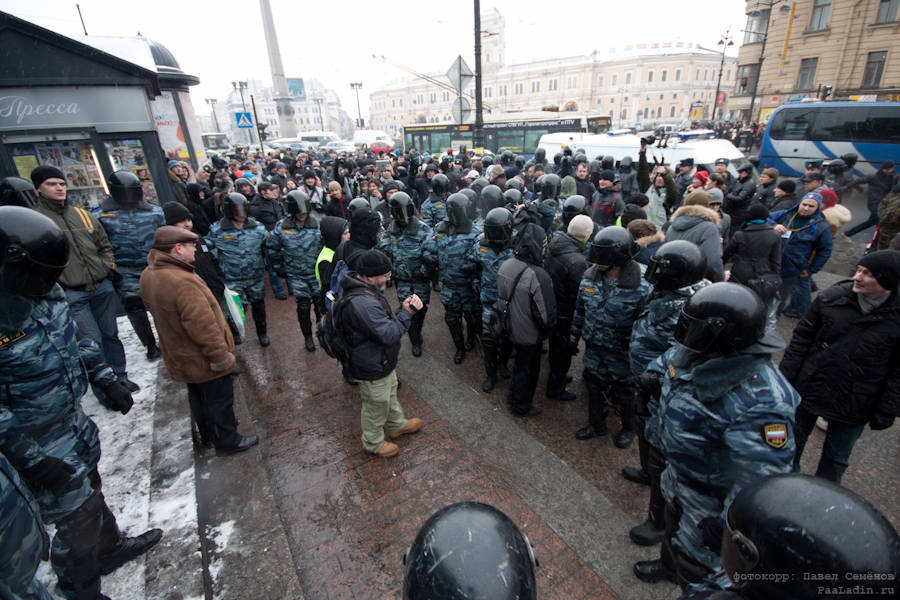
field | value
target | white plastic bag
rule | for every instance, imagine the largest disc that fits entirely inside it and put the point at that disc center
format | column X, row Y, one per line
column 235, row 310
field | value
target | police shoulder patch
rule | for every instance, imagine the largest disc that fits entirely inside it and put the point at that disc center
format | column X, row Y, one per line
column 775, row 434
column 287, row 231
column 227, row 237
column 484, row 250
column 9, row 338
column 671, row 370
column 107, row 215
column 588, row 290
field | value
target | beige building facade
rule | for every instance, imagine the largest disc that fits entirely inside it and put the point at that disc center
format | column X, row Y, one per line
column 639, row 84
column 853, row 46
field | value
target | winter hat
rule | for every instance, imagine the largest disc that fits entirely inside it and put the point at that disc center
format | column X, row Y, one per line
column 757, row 212
column 829, row 199
column 787, row 186
column 44, row 172
column 175, row 212
column 639, row 199
column 715, row 196
column 632, row 212
column 885, row 267
column 309, row 173
column 495, row 171
column 697, row 198
column 581, row 227
column 608, row 175
column 373, row 262
column 167, row 236
column 888, row 164
column 172, row 164
column 771, row 172
column 703, row 176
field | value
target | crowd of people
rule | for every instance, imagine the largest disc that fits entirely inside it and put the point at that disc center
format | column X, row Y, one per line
column 624, row 262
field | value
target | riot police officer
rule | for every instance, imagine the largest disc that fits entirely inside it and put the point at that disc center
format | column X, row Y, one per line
column 130, row 223
column 434, row 209
column 15, row 191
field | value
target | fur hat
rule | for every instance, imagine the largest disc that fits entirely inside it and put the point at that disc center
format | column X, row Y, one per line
column 697, row 197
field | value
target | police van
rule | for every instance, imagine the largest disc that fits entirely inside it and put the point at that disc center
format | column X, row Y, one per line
column 698, row 144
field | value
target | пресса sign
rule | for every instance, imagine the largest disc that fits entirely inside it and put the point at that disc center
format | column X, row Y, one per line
column 107, row 109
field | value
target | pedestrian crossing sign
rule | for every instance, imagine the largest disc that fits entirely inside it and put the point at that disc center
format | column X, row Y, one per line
column 243, row 120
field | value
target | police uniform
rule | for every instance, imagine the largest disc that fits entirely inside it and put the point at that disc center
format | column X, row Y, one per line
column 298, row 246
column 434, row 210
column 405, row 246
column 486, row 255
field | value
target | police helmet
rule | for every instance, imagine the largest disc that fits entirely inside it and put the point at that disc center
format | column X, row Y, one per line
column 557, row 158
column 431, row 167
column 478, row 185
column 676, row 264
column 440, row 184
column 580, row 157
column 594, row 166
column 781, row 531
column 33, row 252
column 15, row 191
column 125, row 188
column 402, row 172
column 626, row 162
column 469, row 550
column 607, row 162
column 297, row 202
column 506, row 158
column 487, row 160
column 550, row 185
column 498, row 224
column 837, row 165
column 402, row 207
column 458, row 207
column 512, row 197
column 721, row 318
column 473, row 200
column 514, row 184
column 491, row 197
column 573, row 206
column 540, row 156
column 753, row 160
column 235, row 205
column 357, row 204
column 850, row 159
column 519, row 161
column 612, row 247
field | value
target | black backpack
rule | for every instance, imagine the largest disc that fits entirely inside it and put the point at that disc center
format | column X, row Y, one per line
column 330, row 330
column 500, row 324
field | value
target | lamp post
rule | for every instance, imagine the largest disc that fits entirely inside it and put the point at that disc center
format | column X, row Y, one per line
column 240, row 86
column 358, row 86
column 212, row 105
column 725, row 41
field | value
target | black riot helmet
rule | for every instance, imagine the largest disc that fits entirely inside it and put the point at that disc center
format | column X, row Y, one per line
column 440, row 185
column 675, row 265
column 550, row 185
column 15, row 191
column 402, row 208
column 355, row 205
column 514, row 184
column 431, row 167
column 469, row 550
column 487, row 160
column 512, row 197
column 235, row 205
column 721, row 318
column 557, row 158
column 478, row 185
column 33, row 252
column 612, row 247
column 540, row 156
column 491, row 197
column 573, row 206
column 473, row 200
column 837, row 165
column 506, row 158
column 626, row 162
column 594, row 167
column 519, row 161
column 458, row 210
column 782, row 528
column 125, row 188
column 297, row 202
column 850, row 159
column 607, row 163
column 498, row 226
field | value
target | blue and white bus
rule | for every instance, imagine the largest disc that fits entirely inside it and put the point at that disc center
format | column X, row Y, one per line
column 800, row 132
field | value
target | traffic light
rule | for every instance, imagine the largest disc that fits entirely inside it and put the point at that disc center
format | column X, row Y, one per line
column 826, row 91
column 262, row 131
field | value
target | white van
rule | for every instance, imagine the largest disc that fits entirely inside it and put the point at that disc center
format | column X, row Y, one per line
column 689, row 144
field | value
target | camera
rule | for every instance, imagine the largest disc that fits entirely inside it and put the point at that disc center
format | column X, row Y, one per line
column 648, row 141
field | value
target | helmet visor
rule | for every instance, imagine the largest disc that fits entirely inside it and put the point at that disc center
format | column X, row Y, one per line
column 25, row 275
column 239, row 209
column 652, row 273
column 697, row 334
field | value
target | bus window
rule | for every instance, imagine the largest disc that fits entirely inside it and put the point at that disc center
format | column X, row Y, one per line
column 532, row 137
column 440, row 141
column 791, row 125
column 511, row 140
column 866, row 124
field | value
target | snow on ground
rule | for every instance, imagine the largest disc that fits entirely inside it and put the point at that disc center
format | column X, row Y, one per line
column 126, row 443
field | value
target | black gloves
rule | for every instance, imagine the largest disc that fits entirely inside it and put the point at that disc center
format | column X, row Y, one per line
column 649, row 384
column 115, row 277
column 118, row 397
column 711, row 530
column 48, row 474
column 880, row 421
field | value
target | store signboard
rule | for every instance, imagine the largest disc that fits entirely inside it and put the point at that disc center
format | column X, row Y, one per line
column 107, row 109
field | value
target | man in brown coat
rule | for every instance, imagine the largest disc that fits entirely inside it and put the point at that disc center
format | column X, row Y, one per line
column 195, row 340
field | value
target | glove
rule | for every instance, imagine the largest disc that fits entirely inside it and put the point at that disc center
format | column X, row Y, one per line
column 48, row 474
column 880, row 421
column 114, row 276
column 281, row 272
column 711, row 530
column 118, row 397
column 649, row 384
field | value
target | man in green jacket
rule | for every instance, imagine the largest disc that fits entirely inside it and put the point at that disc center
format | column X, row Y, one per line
column 89, row 277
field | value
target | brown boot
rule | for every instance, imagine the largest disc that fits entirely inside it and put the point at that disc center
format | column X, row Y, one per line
column 387, row 450
column 411, row 426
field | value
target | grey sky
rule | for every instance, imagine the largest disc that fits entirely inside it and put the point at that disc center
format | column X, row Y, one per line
column 334, row 41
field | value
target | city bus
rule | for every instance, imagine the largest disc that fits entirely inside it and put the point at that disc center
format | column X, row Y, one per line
column 215, row 142
column 800, row 132
column 519, row 136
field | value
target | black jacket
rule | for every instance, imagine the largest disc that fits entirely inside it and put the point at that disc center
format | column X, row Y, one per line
column 737, row 201
column 755, row 250
column 372, row 330
column 846, row 365
column 199, row 217
column 565, row 265
column 765, row 194
column 267, row 212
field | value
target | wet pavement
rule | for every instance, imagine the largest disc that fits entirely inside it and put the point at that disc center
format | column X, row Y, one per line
column 344, row 518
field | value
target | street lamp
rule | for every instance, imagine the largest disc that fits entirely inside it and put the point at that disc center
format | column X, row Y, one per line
column 725, row 41
column 212, row 105
column 357, row 86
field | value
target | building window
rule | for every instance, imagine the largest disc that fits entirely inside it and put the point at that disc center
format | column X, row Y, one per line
column 746, row 79
column 821, row 11
column 757, row 26
column 572, row 82
column 535, row 87
column 624, row 114
column 551, row 85
column 658, row 112
column 445, row 96
column 874, row 69
column 612, row 100
column 520, row 87
column 677, row 74
column 674, row 95
column 600, row 81
column 664, row 75
column 807, row 73
column 615, row 79
column 672, row 111
column 503, row 90
column 628, row 78
column 487, row 92
column 432, row 98
column 649, row 76
column 706, row 74
column 887, row 11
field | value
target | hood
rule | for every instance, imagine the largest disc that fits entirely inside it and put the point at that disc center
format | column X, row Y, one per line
column 365, row 229
column 837, row 216
column 332, row 228
column 529, row 243
column 193, row 192
column 787, row 214
column 688, row 216
column 645, row 241
column 563, row 243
